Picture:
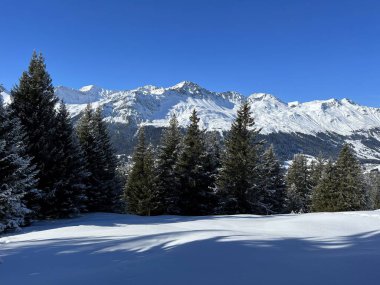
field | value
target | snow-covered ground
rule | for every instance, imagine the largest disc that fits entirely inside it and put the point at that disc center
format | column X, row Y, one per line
column 323, row 248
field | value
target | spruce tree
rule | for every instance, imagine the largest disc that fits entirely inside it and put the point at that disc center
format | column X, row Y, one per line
column 324, row 198
column 298, row 185
column 272, row 183
column 195, row 191
column 34, row 105
column 237, row 184
column 167, row 158
column 140, row 193
column 17, row 174
column 70, row 193
column 104, row 191
column 350, row 189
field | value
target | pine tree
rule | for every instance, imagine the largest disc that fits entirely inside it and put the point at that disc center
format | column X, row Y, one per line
column 104, row 191
column 195, row 192
column 17, row 174
column 237, row 178
column 70, row 193
column 167, row 158
column 324, row 198
column 298, row 185
column 316, row 170
column 374, row 189
column 140, row 192
column 350, row 189
column 272, row 183
column 34, row 105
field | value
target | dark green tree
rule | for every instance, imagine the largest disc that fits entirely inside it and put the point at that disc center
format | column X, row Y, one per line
column 34, row 105
column 104, row 191
column 195, row 191
column 165, row 182
column 298, row 185
column 351, row 192
column 70, row 194
column 272, row 183
column 237, row 184
column 324, row 198
column 141, row 196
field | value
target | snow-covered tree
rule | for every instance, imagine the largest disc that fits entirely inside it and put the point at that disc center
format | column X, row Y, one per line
column 17, row 174
column 236, row 182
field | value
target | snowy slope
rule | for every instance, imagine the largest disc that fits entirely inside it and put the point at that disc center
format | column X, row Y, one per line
column 320, row 248
column 150, row 105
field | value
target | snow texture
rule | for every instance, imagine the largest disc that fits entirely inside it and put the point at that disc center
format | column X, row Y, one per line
column 319, row 248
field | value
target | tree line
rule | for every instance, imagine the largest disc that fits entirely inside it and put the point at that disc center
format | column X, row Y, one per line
column 51, row 169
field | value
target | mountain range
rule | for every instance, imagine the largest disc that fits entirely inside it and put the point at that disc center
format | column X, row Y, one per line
column 320, row 126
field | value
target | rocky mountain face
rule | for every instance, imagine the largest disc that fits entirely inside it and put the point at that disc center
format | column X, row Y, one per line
column 311, row 127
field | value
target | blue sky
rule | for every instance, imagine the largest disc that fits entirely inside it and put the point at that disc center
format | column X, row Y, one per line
column 295, row 49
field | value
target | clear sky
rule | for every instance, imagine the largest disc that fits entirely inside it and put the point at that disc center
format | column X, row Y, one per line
column 295, row 49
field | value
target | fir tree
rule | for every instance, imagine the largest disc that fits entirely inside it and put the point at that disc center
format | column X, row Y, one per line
column 237, row 179
column 34, row 104
column 195, row 192
column 351, row 194
column 316, row 170
column 104, row 192
column 140, row 192
column 17, row 174
column 298, row 185
column 272, row 183
column 374, row 189
column 167, row 158
column 324, row 198
column 70, row 189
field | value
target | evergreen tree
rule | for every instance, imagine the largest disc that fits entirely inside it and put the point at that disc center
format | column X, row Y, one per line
column 104, row 192
column 34, row 105
column 237, row 179
column 324, row 198
column 195, row 192
column 298, row 185
column 316, row 170
column 351, row 194
column 374, row 189
column 140, row 192
column 167, row 158
column 17, row 175
column 70, row 189
column 272, row 183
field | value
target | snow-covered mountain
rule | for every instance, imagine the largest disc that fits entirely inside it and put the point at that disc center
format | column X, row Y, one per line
column 311, row 127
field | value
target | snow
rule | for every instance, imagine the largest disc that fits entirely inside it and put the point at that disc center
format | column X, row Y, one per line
column 151, row 105
column 318, row 248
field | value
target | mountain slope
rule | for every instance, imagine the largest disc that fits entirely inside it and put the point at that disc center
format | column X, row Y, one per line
column 311, row 127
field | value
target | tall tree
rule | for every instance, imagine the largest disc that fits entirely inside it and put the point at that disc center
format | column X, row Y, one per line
column 272, row 183
column 324, row 197
column 17, row 174
column 140, row 192
column 70, row 193
column 34, row 104
column 298, row 185
column 195, row 191
column 350, row 189
column 104, row 191
column 237, row 179
column 167, row 158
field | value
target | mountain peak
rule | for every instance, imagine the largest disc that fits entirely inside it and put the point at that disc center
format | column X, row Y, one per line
column 189, row 87
column 90, row 88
